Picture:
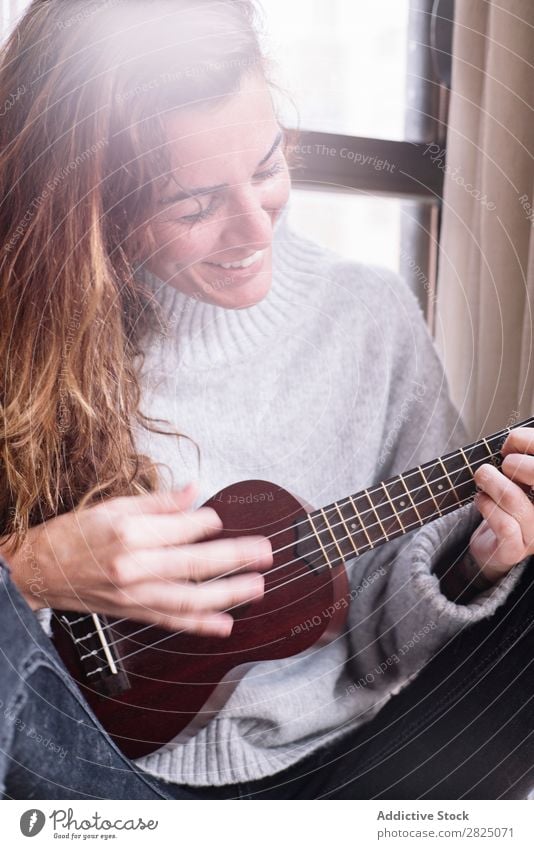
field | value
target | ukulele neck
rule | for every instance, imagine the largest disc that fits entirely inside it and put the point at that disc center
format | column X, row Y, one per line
column 369, row 518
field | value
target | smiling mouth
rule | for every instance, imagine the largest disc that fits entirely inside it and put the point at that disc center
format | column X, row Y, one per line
column 242, row 263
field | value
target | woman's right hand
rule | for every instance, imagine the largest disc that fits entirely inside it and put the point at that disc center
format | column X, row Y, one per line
column 148, row 558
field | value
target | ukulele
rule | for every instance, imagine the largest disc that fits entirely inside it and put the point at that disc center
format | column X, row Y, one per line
column 148, row 686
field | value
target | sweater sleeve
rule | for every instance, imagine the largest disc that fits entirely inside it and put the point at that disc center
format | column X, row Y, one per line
column 398, row 616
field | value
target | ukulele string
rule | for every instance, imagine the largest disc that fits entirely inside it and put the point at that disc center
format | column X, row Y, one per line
column 347, row 502
column 361, row 514
column 173, row 634
column 460, row 503
column 291, row 545
column 336, row 557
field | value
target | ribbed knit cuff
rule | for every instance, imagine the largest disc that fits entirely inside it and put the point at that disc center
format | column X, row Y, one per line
column 431, row 546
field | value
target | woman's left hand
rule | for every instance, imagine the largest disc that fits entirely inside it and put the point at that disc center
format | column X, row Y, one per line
column 506, row 534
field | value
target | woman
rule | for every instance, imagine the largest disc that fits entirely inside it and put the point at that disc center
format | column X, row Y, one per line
column 148, row 266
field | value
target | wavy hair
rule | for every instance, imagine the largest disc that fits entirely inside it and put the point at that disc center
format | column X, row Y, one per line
column 85, row 88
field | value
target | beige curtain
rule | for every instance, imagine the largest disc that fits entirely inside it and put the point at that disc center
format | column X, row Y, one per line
column 485, row 306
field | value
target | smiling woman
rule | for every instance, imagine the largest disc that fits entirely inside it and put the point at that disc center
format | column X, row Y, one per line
column 214, row 236
column 147, row 264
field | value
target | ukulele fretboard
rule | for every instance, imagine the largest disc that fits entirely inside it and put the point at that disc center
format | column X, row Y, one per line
column 367, row 519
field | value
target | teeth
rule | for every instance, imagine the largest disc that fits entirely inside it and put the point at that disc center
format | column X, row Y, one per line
column 244, row 263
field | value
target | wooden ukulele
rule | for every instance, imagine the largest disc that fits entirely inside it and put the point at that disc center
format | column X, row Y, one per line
column 147, row 685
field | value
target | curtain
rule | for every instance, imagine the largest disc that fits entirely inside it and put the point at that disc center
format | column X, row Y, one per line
column 484, row 315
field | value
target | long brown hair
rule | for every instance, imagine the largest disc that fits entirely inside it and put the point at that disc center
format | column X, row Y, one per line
column 85, row 88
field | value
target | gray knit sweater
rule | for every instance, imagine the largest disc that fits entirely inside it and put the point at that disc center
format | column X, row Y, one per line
column 328, row 385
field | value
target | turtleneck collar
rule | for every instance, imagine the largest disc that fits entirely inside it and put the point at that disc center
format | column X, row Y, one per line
column 203, row 335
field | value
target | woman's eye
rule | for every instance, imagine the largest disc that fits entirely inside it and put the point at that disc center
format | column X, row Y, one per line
column 202, row 214
column 269, row 172
column 190, row 218
column 198, row 216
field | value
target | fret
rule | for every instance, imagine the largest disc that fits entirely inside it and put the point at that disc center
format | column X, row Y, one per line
column 453, row 488
column 335, row 534
column 308, row 535
column 495, row 443
column 384, row 509
column 345, row 526
column 461, row 465
column 490, row 452
column 362, row 524
column 466, row 461
column 494, row 460
column 496, row 440
column 420, row 468
column 398, row 518
column 409, row 494
column 462, row 480
column 420, row 493
column 476, row 455
column 325, row 555
column 353, row 525
column 455, row 491
column 403, row 502
column 370, row 500
column 335, row 542
column 341, row 555
column 440, row 486
column 457, row 463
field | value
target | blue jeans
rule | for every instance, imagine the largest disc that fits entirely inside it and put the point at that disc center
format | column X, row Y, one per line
column 462, row 729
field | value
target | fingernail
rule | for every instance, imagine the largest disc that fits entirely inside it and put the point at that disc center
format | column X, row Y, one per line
column 262, row 553
column 266, row 559
column 255, row 586
column 224, row 627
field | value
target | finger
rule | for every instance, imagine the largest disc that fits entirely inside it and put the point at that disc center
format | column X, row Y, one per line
column 179, row 599
column 504, row 526
column 519, row 467
column 199, row 562
column 154, row 502
column 520, row 440
column 210, row 623
column 150, row 531
column 203, row 624
column 505, row 493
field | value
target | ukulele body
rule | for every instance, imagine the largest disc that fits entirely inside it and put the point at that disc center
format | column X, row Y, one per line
column 171, row 685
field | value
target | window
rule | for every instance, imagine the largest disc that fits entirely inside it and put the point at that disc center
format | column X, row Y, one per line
column 344, row 61
column 369, row 98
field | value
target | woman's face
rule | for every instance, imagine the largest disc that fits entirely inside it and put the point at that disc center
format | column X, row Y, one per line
column 232, row 183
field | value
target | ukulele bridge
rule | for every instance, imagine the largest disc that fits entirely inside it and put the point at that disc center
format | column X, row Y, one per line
column 98, row 659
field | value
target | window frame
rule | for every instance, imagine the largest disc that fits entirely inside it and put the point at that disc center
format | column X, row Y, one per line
column 418, row 174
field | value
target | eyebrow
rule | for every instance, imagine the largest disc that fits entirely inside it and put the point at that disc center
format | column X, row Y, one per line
column 205, row 190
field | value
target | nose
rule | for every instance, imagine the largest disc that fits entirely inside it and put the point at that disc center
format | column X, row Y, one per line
column 249, row 220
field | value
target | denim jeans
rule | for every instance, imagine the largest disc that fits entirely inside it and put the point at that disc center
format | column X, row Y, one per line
column 462, row 729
